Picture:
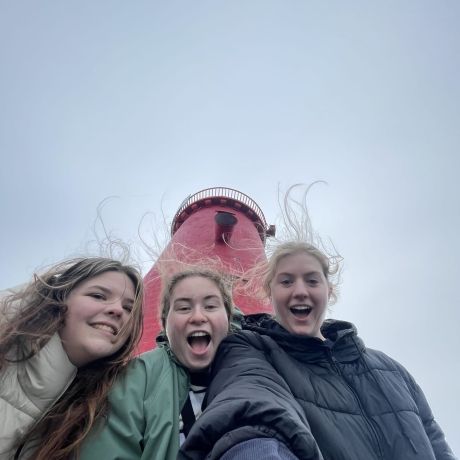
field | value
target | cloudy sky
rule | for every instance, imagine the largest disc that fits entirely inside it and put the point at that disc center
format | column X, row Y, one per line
column 150, row 101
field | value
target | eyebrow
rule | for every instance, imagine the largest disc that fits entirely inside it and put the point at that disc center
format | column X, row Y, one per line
column 314, row 272
column 109, row 291
column 189, row 299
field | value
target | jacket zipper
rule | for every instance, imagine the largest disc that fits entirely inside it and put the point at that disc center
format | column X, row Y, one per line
column 363, row 413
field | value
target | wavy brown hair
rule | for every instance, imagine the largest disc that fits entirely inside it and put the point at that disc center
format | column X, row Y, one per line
column 32, row 316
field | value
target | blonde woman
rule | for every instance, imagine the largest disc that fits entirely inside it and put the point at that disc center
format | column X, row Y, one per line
column 308, row 384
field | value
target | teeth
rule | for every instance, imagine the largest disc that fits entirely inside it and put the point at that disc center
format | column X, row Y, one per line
column 301, row 308
column 198, row 334
column 105, row 327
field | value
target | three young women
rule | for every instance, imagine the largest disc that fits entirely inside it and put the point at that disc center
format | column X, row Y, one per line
column 64, row 339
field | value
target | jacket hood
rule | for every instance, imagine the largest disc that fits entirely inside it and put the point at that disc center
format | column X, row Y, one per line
column 163, row 342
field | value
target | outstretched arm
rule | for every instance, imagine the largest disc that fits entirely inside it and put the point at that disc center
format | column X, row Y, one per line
column 248, row 399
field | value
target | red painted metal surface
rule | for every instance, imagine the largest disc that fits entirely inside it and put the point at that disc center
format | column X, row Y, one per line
column 201, row 233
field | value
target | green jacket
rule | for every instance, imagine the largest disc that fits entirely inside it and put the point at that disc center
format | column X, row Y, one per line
column 143, row 419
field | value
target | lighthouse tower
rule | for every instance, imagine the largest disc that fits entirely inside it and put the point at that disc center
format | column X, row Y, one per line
column 218, row 224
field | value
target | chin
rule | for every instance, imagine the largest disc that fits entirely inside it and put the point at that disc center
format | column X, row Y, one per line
column 100, row 354
column 198, row 367
column 302, row 331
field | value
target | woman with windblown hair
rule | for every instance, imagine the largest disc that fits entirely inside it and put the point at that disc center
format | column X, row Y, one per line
column 307, row 383
column 64, row 338
column 154, row 404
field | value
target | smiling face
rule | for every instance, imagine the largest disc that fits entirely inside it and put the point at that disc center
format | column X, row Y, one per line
column 97, row 310
column 197, row 321
column 300, row 293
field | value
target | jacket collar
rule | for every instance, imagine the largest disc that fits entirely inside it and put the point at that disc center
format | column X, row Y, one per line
column 343, row 342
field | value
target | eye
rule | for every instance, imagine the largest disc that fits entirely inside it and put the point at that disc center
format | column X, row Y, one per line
column 285, row 281
column 212, row 307
column 97, row 296
column 182, row 308
column 128, row 308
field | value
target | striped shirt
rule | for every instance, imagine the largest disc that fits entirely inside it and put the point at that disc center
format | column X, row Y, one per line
column 192, row 407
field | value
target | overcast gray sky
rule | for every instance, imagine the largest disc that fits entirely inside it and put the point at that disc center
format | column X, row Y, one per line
column 151, row 101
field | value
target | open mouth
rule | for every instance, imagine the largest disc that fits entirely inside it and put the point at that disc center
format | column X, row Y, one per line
column 199, row 341
column 301, row 311
column 106, row 327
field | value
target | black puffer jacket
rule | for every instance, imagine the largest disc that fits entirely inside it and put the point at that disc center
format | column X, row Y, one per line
column 332, row 400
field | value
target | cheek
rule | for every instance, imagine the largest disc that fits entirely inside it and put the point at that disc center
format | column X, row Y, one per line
column 221, row 327
column 278, row 302
column 174, row 328
column 278, row 296
column 71, row 321
column 324, row 297
column 280, row 314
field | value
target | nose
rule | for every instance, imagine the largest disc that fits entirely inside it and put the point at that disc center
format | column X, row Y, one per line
column 300, row 290
column 115, row 308
column 197, row 316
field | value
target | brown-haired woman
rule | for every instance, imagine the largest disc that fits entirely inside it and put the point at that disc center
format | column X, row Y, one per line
column 64, row 339
column 156, row 402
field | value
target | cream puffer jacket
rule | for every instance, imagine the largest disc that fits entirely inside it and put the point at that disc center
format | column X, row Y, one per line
column 28, row 389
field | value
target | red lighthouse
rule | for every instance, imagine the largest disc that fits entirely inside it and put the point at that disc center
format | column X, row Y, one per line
column 219, row 224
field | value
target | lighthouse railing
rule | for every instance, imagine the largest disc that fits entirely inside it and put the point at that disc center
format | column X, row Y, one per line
column 223, row 192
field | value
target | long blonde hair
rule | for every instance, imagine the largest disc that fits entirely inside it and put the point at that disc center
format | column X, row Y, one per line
column 296, row 234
